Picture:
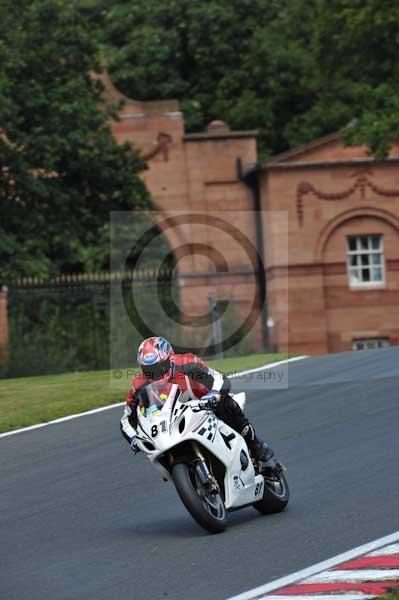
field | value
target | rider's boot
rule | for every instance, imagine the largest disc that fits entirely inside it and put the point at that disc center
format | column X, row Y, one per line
column 230, row 412
column 260, row 450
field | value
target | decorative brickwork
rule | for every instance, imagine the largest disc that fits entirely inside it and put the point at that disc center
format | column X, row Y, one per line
column 164, row 141
column 362, row 183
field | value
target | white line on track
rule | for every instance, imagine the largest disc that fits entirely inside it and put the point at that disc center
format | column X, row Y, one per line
column 110, row 406
column 269, row 366
column 258, row 592
column 392, row 549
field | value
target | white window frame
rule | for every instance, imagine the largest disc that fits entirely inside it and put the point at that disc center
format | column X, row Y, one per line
column 370, row 251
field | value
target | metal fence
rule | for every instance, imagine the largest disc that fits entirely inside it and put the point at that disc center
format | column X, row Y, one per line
column 62, row 324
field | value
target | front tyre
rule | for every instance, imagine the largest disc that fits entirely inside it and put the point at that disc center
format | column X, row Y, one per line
column 275, row 495
column 205, row 507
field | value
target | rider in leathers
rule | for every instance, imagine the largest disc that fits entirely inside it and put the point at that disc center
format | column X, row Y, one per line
column 157, row 360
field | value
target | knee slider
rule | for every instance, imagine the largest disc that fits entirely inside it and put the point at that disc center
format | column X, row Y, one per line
column 248, row 433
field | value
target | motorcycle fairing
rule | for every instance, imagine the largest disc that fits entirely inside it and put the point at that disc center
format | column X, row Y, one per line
column 178, row 422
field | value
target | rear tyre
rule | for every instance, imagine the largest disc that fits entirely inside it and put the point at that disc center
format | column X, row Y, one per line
column 207, row 509
column 275, row 495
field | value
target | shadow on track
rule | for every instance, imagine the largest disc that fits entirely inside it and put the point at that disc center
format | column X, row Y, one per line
column 186, row 528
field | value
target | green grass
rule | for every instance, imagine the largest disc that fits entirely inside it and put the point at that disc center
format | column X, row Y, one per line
column 29, row 400
column 392, row 595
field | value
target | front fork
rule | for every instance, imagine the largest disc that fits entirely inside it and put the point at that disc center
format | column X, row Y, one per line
column 204, row 474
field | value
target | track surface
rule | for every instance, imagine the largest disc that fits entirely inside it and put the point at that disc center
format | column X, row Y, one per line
column 81, row 518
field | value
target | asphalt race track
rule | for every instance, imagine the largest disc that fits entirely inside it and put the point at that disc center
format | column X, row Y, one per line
column 82, row 518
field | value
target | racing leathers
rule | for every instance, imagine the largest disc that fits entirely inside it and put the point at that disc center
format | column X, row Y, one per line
column 193, row 374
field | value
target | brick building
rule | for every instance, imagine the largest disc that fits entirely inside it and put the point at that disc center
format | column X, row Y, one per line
column 197, row 173
column 342, row 269
column 328, row 224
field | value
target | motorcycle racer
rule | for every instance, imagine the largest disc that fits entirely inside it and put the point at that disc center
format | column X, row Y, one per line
column 158, row 361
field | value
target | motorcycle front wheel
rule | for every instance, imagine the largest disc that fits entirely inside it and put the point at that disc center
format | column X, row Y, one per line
column 206, row 508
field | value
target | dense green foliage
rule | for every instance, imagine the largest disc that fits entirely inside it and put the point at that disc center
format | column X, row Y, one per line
column 294, row 69
column 57, row 332
column 67, row 328
column 61, row 171
column 356, row 74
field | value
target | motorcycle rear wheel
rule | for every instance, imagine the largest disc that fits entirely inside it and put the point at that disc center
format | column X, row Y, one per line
column 205, row 508
column 275, row 496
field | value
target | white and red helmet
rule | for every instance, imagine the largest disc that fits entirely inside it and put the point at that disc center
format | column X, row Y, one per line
column 155, row 356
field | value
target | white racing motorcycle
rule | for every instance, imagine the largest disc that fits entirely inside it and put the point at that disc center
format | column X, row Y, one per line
column 207, row 460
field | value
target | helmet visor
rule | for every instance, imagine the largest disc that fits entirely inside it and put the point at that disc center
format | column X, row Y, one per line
column 158, row 370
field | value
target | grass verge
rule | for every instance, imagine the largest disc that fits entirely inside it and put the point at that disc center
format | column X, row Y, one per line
column 391, row 595
column 30, row 400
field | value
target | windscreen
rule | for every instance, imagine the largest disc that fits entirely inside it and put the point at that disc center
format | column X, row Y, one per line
column 153, row 397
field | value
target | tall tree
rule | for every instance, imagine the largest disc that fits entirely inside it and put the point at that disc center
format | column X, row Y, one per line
column 61, row 171
column 294, row 69
column 203, row 53
column 356, row 47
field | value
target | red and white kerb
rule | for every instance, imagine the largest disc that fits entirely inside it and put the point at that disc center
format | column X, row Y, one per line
column 361, row 578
